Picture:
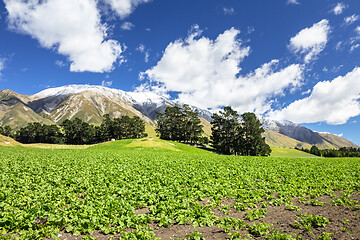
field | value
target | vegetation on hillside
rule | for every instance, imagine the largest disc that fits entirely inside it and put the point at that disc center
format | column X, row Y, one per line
column 341, row 152
column 78, row 132
column 6, row 131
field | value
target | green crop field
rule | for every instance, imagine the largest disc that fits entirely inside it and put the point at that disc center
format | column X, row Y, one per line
column 148, row 189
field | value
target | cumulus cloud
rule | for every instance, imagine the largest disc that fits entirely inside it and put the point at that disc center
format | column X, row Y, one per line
column 127, row 26
column 206, row 73
column 311, row 41
column 351, row 19
column 72, row 27
column 334, row 102
column 123, row 8
column 339, row 8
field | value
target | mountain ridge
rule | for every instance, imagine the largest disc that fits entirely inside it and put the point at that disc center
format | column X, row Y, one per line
column 91, row 102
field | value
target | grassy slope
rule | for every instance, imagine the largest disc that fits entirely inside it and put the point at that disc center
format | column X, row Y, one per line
column 7, row 141
column 148, row 144
column 290, row 153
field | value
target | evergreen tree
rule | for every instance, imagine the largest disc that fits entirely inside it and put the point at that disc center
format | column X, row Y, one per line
column 314, row 150
column 253, row 143
column 226, row 131
column 179, row 124
column 78, row 132
column 39, row 133
column 6, row 131
column 229, row 136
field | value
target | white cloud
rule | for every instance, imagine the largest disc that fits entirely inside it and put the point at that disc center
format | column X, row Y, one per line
column 106, row 83
column 2, row 66
column 334, row 102
column 293, row 2
column 123, row 8
column 339, row 8
column 60, row 63
column 353, row 18
column 229, row 11
column 127, row 26
column 206, row 73
column 71, row 27
column 358, row 29
column 311, row 41
column 141, row 48
column 2, row 63
column 355, row 46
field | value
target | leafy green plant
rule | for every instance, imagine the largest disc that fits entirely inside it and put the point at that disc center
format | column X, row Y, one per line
column 255, row 214
column 196, row 235
column 307, row 221
column 230, row 224
column 259, row 229
column 325, row 236
column 292, row 208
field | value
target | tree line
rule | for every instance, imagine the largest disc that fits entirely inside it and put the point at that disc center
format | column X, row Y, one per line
column 341, row 152
column 229, row 135
column 180, row 124
column 78, row 132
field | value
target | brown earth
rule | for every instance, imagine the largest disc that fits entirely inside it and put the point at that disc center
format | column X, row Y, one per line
column 344, row 222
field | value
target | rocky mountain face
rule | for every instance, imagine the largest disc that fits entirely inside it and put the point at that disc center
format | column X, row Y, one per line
column 90, row 103
column 304, row 137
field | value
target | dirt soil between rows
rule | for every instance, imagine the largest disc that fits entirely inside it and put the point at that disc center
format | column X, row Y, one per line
column 344, row 222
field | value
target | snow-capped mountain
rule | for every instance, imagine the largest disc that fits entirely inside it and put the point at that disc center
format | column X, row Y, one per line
column 303, row 135
column 146, row 102
column 90, row 103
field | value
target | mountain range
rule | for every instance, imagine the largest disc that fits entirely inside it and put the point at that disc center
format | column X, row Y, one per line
column 90, row 103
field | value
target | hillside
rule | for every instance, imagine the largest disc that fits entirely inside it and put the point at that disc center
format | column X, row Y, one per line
column 90, row 103
column 8, row 141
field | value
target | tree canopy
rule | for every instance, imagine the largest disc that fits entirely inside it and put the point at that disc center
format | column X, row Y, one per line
column 179, row 124
column 231, row 136
column 78, row 132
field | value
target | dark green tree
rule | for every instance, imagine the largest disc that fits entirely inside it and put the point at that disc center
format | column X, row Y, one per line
column 6, row 131
column 253, row 143
column 179, row 124
column 315, row 151
column 229, row 136
column 39, row 133
column 226, row 132
column 78, row 132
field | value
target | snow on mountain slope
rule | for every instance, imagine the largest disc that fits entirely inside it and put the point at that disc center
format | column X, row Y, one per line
column 148, row 103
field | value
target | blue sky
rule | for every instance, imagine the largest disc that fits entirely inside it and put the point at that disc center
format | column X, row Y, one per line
column 295, row 60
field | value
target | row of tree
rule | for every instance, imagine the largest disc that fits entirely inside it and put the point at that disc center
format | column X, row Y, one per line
column 341, row 152
column 244, row 137
column 78, row 132
column 229, row 135
column 180, row 124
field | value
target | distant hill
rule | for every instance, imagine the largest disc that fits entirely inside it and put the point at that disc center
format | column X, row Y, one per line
column 90, row 103
column 290, row 135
